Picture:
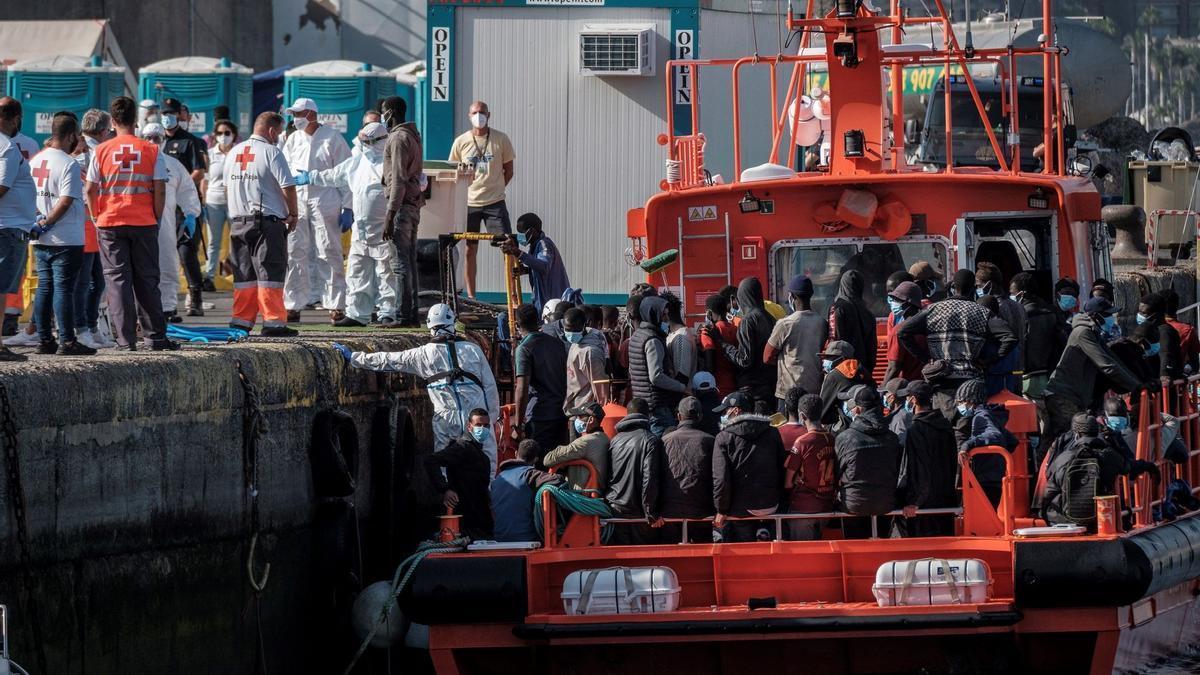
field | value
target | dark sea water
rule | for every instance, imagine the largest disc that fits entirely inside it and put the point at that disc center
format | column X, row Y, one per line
column 1179, row 665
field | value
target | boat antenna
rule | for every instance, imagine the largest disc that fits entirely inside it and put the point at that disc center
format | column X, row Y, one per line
column 970, row 43
column 779, row 22
column 753, row 29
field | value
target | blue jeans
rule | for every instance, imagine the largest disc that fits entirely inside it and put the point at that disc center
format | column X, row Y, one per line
column 662, row 420
column 404, row 238
column 57, row 268
column 13, row 249
column 218, row 214
column 89, row 288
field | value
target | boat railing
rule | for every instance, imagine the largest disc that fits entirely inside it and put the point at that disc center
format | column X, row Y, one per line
column 1179, row 400
column 778, row 519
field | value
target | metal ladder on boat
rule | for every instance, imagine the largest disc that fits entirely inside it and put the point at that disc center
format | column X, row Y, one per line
column 727, row 275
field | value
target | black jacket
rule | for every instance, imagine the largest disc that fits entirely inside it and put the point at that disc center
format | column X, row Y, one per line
column 634, row 472
column 747, row 466
column 851, row 320
column 711, row 422
column 844, row 375
column 686, row 487
column 1053, row 502
column 1044, row 336
column 929, row 465
column 754, row 330
column 868, row 465
column 1085, row 359
column 468, row 473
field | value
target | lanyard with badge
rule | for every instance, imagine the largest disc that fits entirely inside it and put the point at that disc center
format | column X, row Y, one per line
column 480, row 160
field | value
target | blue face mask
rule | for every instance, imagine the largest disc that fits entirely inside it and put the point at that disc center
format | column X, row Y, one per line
column 847, row 411
column 665, row 327
column 1110, row 324
column 792, row 304
column 965, row 411
column 895, row 306
column 826, row 365
column 1142, row 318
column 170, row 121
column 1152, row 350
column 1067, row 302
column 724, row 420
column 574, row 337
column 1117, row 424
column 580, row 426
column 979, row 292
column 736, row 311
column 909, row 406
column 522, row 239
column 480, row 433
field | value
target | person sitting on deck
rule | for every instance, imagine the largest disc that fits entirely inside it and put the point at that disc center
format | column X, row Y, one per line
column 809, row 475
column 747, row 469
column 513, row 492
column 461, row 472
column 868, row 461
column 590, row 444
column 635, row 463
column 928, row 467
column 980, row 424
column 686, row 483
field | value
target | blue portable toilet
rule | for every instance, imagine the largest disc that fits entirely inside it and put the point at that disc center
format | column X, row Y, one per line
column 49, row 85
column 201, row 83
column 342, row 90
column 409, row 80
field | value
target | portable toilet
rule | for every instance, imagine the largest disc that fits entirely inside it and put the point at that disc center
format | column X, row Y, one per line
column 49, row 85
column 342, row 90
column 409, row 79
column 202, row 83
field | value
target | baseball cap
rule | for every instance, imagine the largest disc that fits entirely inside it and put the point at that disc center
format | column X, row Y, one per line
column 907, row 291
column 895, row 385
column 735, row 400
column 152, row 129
column 302, row 104
column 861, row 395
column 919, row 388
column 838, row 348
column 1099, row 306
column 373, row 130
column 801, row 285
column 148, row 103
column 690, row 408
column 587, row 410
column 703, row 381
column 171, row 105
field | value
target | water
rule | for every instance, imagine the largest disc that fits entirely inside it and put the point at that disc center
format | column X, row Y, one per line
column 1179, row 665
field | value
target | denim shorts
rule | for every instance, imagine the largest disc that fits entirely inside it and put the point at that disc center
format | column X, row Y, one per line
column 14, row 249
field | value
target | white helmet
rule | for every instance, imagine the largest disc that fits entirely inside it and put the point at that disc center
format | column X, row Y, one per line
column 548, row 309
column 440, row 317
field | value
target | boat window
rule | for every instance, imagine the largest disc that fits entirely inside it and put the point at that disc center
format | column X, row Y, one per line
column 971, row 144
column 1017, row 245
column 825, row 263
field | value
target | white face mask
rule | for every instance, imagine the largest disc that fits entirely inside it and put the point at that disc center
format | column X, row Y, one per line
column 301, row 123
column 479, row 120
column 225, row 139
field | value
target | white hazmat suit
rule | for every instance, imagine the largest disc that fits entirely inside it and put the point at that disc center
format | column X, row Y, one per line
column 369, row 274
column 181, row 192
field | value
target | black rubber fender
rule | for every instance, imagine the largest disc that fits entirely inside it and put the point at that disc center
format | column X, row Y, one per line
column 463, row 589
column 333, row 454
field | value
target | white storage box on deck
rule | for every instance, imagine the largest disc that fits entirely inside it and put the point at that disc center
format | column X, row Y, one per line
column 932, row 581
column 446, row 209
column 621, row 590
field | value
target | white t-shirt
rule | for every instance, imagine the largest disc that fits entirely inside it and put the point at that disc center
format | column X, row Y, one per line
column 17, row 206
column 255, row 174
column 58, row 175
column 27, row 145
column 215, row 194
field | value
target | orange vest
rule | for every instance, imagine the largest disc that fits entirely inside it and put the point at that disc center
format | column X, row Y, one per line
column 126, row 167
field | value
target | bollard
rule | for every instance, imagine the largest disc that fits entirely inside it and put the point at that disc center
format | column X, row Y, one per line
column 449, row 531
column 1129, row 231
column 1108, row 516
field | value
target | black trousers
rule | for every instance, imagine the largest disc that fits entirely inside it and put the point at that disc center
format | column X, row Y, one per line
column 189, row 257
column 129, row 255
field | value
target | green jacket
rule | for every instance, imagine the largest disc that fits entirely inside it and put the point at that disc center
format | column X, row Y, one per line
column 1085, row 358
column 594, row 448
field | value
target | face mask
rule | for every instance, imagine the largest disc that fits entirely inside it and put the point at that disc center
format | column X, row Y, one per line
column 479, row 120
column 480, row 433
column 372, row 153
column 574, row 337
column 792, row 304
column 1152, row 350
column 170, row 121
column 1110, row 324
column 1117, row 424
column 1016, row 298
column 979, row 292
column 847, row 411
column 579, row 425
column 908, row 406
column 965, row 411
column 724, row 420
column 225, row 139
column 1142, row 318
column 665, row 327
column 826, row 365
column 386, row 118
column 301, row 123
column 736, row 311
column 895, row 306
column 522, row 239
column 1067, row 302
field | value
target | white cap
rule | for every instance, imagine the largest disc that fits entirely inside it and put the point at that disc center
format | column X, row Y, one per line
column 440, row 316
column 148, row 103
column 152, row 129
column 302, row 104
column 548, row 309
column 373, row 130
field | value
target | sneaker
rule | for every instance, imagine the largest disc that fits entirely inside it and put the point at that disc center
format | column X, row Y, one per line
column 387, row 322
column 75, row 348
column 127, row 348
column 173, row 317
column 101, row 340
column 164, row 346
column 47, row 347
column 347, row 322
column 84, row 337
column 22, row 339
column 195, row 311
column 207, row 286
column 293, row 316
column 279, row 331
column 7, row 355
column 237, row 327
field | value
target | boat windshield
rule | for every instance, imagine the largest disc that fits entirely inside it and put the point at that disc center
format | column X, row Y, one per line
column 971, row 144
column 824, row 261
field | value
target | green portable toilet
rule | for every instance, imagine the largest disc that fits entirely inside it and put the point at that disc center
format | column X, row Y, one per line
column 202, row 83
column 49, row 85
column 409, row 80
column 342, row 90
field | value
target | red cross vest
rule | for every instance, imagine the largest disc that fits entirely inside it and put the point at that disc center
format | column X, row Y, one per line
column 126, row 168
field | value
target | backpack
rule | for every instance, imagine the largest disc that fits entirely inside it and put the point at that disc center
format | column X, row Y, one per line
column 1081, row 486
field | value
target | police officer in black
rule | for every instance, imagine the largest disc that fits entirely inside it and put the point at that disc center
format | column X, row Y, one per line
column 181, row 144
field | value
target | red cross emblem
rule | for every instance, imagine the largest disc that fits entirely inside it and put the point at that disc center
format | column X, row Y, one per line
column 41, row 173
column 126, row 157
column 244, row 158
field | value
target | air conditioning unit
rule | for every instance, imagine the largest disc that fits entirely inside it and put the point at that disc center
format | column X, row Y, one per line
column 617, row 49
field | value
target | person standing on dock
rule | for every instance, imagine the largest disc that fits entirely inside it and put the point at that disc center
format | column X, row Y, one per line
column 402, row 177
column 489, row 156
column 17, row 209
column 262, row 213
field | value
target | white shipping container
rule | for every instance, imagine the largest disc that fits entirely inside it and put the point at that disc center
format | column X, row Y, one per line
column 621, row 590
column 932, row 581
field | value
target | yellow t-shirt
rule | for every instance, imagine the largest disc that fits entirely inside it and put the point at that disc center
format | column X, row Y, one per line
column 488, row 155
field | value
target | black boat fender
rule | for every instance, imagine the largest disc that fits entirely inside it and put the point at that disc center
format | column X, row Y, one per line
column 488, row 589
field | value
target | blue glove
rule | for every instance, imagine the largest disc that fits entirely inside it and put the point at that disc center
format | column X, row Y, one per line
column 302, row 178
column 189, row 224
column 343, row 350
column 346, row 220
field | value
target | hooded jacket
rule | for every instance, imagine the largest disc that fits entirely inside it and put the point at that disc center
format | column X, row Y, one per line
column 851, row 320
column 929, row 465
column 989, row 427
column 747, row 466
column 634, row 468
column 753, row 332
column 1044, row 337
column 1084, row 359
column 686, row 488
column 651, row 373
column 868, row 465
column 846, row 374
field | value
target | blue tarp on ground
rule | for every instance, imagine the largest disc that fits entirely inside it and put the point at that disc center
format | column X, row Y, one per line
column 268, row 90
